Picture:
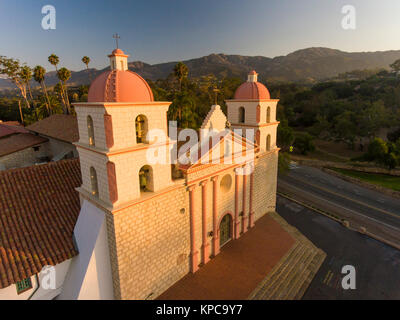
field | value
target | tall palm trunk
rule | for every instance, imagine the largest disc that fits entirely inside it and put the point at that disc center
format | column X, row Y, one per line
column 67, row 99
column 62, row 94
column 47, row 97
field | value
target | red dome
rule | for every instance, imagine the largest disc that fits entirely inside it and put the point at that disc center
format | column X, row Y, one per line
column 120, row 86
column 252, row 90
column 117, row 51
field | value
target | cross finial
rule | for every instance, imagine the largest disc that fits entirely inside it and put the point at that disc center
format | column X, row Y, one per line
column 116, row 37
column 216, row 95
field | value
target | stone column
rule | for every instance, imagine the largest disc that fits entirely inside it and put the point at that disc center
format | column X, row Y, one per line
column 215, row 239
column 251, row 212
column 194, row 262
column 244, row 216
column 205, row 245
column 237, row 220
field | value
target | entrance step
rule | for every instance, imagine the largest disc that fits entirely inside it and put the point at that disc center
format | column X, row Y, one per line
column 290, row 278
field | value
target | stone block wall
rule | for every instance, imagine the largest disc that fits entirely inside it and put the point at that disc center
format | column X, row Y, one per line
column 150, row 245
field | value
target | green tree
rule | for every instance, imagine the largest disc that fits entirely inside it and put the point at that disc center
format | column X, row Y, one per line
column 39, row 75
column 304, row 143
column 390, row 160
column 11, row 68
column 377, row 151
column 54, row 60
column 26, row 76
column 86, row 61
column 64, row 74
column 283, row 163
column 346, row 128
column 396, row 65
column 181, row 72
column 284, row 136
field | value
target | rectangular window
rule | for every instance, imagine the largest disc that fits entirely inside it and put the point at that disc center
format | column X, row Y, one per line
column 23, row 285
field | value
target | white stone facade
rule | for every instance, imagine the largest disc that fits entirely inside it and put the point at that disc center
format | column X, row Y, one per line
column 155, row 238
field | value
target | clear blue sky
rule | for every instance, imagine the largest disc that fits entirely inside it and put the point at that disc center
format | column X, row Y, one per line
column 156, row 31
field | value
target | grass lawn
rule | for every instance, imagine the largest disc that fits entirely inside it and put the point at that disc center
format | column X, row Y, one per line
column 383, row 180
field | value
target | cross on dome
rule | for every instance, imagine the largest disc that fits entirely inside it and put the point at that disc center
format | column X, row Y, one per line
column 116, row 37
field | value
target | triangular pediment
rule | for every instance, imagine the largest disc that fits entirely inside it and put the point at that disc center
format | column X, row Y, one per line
column 225, row 147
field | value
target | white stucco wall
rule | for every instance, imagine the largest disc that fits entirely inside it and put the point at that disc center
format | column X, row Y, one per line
column 89, row 276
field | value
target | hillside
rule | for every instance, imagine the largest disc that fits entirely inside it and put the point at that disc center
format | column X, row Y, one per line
column 311, row 64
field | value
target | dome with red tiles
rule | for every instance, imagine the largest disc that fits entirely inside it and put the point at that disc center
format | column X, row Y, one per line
column 118, row 51
column 119, row 84
column 252, row 89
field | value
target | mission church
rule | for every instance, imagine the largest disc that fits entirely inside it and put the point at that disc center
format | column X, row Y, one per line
column 159, row 228
column 144, row 226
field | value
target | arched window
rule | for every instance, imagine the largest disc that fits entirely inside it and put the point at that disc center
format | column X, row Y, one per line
column 146, row 179
column 93, row 182
column 242, row 116
column 268, row 115
column 268, row 146
column 141, row 128
column 90, row 130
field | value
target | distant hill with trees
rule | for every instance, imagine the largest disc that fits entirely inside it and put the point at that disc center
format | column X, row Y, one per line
column 307, row 65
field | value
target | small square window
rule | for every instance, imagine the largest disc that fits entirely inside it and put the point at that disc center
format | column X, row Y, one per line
column 23, row 285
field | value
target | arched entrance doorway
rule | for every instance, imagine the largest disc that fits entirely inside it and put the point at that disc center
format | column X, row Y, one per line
column 225, row 230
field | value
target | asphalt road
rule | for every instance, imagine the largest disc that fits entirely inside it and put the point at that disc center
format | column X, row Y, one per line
column 377, row 265
column 372, row 205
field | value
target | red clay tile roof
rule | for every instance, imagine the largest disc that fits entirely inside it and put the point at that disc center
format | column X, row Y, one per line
column 17, row 142
column 7, row 129
column 38, row 211
column 59, row 126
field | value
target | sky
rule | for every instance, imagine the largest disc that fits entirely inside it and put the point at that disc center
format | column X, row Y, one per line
column 156, row 31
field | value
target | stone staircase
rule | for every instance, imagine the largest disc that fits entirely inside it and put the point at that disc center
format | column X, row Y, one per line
column 290, row 278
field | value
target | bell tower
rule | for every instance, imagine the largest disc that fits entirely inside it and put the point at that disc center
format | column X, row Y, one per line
column 253, row 108
column 117, row 146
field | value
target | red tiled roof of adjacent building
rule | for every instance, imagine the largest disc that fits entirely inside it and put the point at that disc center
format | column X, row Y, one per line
column 39, row 207
column 59, row 126
column 9, row 128
column 17, row 142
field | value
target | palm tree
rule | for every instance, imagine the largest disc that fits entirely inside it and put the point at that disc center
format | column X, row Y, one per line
column 181, row 72
column 86, row 60
column 39, row 74
column 54, row 60
column 26, row 76
column 64, row 74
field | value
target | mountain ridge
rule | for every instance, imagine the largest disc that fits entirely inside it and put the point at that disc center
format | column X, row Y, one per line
column 308, row 64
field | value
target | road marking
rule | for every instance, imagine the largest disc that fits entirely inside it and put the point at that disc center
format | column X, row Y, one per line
column 350, row 199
